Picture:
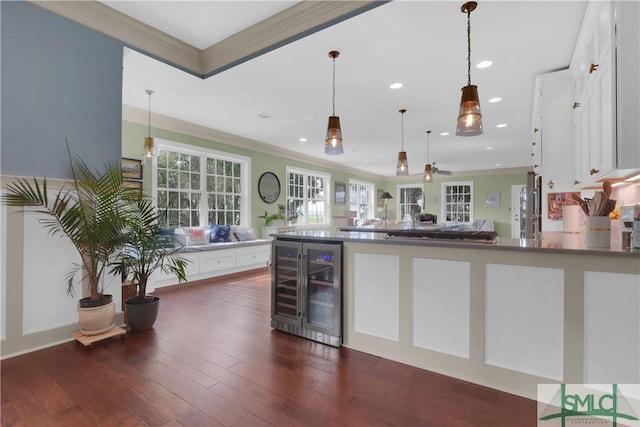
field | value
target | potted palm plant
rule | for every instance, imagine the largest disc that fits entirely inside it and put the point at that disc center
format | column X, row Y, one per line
column 148, row 248
column 90, row 213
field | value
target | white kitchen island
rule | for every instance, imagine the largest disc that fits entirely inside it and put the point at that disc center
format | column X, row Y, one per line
column 508, row 315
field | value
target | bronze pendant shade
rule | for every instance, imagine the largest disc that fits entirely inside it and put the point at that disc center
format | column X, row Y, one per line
column 333, row 140
column 428, row 169
column 428, row 173
column 149, row 150
column 469, row 117
column 402, row 167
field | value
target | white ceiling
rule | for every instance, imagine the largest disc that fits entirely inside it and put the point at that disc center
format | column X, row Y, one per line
column 284, row 95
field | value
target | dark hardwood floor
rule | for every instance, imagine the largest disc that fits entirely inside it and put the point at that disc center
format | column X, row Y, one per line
column 212, row 359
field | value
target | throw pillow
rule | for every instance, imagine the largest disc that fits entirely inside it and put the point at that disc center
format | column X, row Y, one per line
column 242, row 236
column 165, row 237
column 179, row 237
column 219, row 233
column 195, row 236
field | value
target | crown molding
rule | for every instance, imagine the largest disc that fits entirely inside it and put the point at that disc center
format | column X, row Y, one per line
column 293, row 23
column 138, row 116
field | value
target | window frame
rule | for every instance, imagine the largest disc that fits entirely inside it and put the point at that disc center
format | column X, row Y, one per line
column 327, row 188
column 204, row 153
column 399, row 203
column 443, row 209
column 371, row 189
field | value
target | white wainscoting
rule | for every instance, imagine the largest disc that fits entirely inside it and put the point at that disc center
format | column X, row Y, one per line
column 47, row 260
column 376, row 295
column 441, row 305
column 524, row 319
column 3, row 270
column 612, row 325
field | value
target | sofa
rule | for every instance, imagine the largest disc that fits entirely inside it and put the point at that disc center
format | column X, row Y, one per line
column 214, row 251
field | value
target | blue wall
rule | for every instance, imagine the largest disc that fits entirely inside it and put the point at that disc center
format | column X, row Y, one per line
column 59, row 80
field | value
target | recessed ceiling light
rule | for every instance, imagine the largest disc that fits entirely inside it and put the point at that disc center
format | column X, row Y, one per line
column 303, row 140
column 495, row 99
column 484, row 64
column 365, row 161
column 396, row 85
column 501, row 125
column 497, row 164
column 488, row 148
column 444, row 133
column 265, row 116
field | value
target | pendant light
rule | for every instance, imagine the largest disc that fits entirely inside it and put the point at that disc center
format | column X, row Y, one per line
column 470, row 116
column 333, row 141
column 428, row 169
column 402, row 169
column 149, row 148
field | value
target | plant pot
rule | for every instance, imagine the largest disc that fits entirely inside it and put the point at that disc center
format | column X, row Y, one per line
column 142, row 312
column 96, row 317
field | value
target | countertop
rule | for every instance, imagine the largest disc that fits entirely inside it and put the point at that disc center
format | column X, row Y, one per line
column 549, row 242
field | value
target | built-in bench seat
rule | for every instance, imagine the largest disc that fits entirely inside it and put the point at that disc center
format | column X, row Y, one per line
column 206, row 260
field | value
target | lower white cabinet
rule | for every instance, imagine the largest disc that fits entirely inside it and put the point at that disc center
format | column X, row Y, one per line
column 205, row 264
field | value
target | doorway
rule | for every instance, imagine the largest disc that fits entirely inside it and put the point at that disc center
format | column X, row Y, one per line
column 519, row 203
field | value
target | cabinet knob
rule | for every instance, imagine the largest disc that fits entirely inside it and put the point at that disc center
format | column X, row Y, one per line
column 576, row 182
column 535, row 130
column 576, row 105
column 533, row 143
column 594, row 171
column 533, row 154
column 592, row 68
column 535, row 165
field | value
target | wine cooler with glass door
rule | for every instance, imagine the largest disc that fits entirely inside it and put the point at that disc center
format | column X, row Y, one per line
column 306, row 290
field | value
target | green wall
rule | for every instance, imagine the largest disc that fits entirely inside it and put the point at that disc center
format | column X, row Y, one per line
column 481, row 185
column 133, row 137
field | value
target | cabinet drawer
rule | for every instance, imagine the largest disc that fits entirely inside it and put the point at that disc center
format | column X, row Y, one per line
column 217, row 260
column 255, row 256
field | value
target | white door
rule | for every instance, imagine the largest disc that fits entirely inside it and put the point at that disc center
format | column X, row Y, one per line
column 518, row 211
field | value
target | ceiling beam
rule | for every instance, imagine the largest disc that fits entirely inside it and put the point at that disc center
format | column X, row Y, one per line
column 293, row 23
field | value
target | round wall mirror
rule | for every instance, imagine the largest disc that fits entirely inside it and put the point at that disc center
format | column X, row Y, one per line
column 269, row 187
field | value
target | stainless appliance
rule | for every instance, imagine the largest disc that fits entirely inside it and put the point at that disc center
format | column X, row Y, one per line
column 306, row 290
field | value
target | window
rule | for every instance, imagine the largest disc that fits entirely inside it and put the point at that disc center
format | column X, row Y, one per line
column 308, row 195
column 196, row 186
column 457, row 202
column 410, row 201
column 361, row 199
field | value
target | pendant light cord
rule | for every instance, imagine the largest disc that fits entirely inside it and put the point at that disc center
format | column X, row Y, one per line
column 468, row 47
column 402, row 128
column 149, row 122
column 428, row 133
column 334, row 86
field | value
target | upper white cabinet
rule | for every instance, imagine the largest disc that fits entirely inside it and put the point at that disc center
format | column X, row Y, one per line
column 552, row 130
column 604, row 80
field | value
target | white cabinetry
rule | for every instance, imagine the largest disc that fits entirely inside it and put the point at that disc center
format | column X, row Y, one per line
column 605, row 143
column 205, row 264
column 551, row 152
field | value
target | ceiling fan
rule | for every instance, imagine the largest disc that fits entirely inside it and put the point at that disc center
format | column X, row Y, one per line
column 430, row 169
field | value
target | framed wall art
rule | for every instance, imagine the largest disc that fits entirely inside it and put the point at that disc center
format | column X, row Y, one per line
column 131, row 168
